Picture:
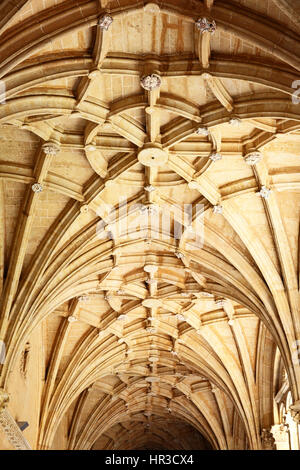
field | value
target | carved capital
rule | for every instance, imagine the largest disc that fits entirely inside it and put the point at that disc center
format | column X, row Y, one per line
column 267, row 439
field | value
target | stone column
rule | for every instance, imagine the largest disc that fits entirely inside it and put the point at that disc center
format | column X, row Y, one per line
column 9, row 426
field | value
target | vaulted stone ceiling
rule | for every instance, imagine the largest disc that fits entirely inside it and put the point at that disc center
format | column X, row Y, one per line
column 149, row 238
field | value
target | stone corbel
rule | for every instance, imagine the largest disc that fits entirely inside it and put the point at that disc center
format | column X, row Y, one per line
column 9, row 425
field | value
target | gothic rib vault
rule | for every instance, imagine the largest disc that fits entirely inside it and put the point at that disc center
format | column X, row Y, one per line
column 121, row 331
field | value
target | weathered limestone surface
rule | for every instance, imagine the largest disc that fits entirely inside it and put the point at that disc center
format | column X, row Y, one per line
column 149, row 224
